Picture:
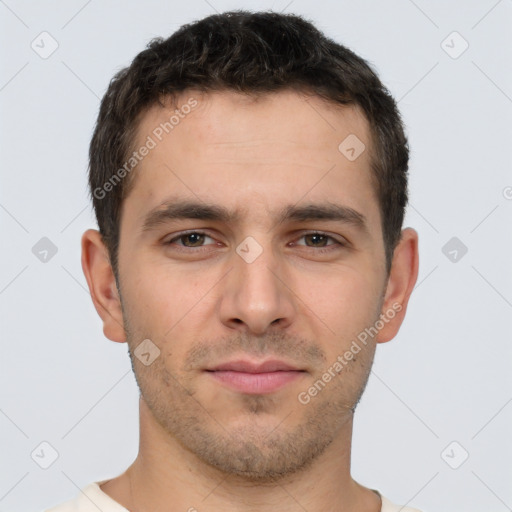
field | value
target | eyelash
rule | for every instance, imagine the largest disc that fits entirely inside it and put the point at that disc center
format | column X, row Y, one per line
column 328, row 248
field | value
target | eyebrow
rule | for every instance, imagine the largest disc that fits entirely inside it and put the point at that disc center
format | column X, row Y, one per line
column 187, row 209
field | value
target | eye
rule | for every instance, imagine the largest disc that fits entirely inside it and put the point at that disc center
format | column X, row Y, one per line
column 318, row 239
column 191, row 239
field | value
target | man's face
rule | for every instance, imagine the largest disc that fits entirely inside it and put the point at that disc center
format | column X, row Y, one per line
column 284, row 263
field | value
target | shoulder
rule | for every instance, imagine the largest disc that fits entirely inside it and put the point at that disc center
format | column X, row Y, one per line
column 90, row 499
column 388, row 506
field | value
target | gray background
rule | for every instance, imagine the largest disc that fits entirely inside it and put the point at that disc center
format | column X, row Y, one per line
column 445, row 378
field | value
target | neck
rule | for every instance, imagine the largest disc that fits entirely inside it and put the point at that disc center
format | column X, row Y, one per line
column 167, row 476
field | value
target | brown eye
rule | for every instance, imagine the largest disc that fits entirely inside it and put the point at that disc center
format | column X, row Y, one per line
column 192, row 239
column 317, row 240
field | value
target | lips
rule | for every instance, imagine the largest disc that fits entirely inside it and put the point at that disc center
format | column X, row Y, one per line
column 255, row 367
column 251, row 377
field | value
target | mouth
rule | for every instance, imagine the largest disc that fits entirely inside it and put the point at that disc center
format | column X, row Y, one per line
column 255, row 378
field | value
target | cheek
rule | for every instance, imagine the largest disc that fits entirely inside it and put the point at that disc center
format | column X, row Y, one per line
column 345, row 299
column 161, row 300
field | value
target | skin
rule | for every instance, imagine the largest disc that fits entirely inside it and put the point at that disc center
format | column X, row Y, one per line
column 204, row 445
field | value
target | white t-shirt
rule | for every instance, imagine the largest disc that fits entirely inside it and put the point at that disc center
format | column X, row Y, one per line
column 92, row 499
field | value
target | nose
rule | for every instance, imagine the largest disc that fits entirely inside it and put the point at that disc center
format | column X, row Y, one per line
column 257, row 295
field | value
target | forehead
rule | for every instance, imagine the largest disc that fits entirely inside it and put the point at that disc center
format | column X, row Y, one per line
column 229, row 117
column 272, row 148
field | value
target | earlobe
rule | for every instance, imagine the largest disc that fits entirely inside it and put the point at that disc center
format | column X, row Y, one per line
column 102, row 286
column 402, row 278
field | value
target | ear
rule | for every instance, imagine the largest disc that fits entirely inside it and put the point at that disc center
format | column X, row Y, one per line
column 401, row 281
column 102, row 285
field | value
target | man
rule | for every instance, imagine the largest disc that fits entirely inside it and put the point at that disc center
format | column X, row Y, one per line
column 249, row 178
